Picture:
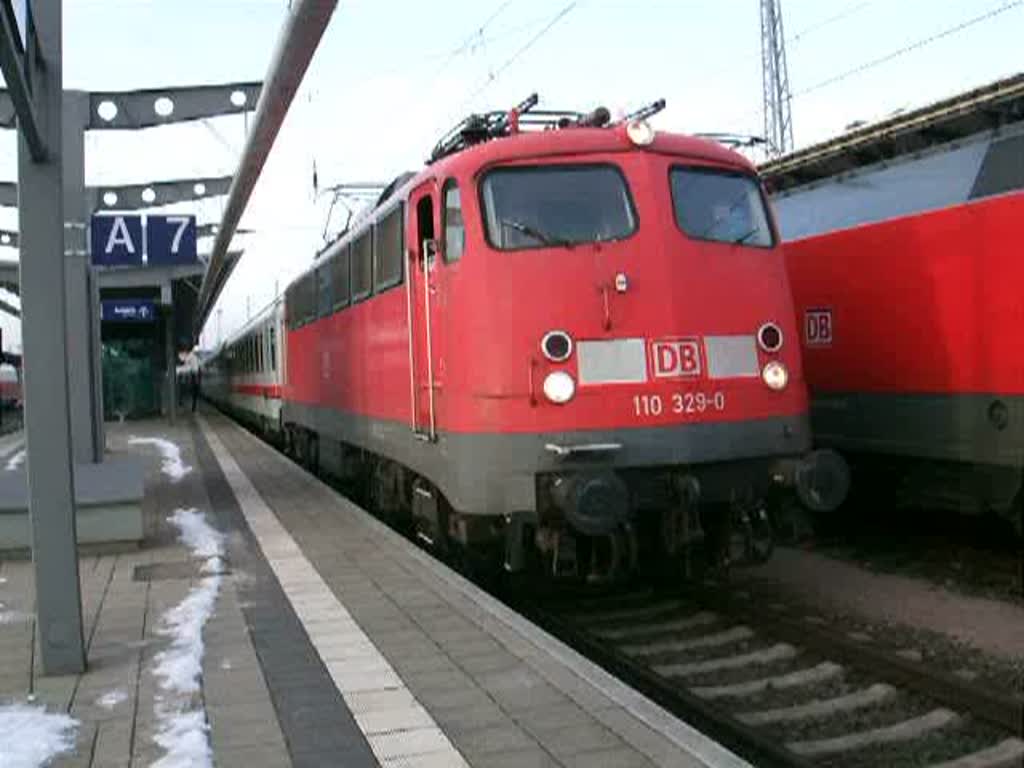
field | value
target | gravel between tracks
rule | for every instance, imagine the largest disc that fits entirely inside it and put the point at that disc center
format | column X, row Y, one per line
column 990, row 626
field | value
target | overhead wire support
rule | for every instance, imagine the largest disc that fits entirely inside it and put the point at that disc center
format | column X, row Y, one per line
column 12, row 63
column 777, row 96
column 306, row 23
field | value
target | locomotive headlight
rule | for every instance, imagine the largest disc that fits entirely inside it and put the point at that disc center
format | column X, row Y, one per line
column 640, row 132
column 775, row 376
column 769, row 337
column 559, row 387
column 556, row 346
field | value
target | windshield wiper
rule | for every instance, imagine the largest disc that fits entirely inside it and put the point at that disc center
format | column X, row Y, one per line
column 746, row 236
column 536, row 234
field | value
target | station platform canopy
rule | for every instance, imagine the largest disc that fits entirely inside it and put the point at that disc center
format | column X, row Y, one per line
column 983, row 109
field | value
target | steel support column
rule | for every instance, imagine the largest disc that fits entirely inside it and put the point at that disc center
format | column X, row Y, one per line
column 50, row 468
column 80, row 351
column 171, row 359
column 99, row 428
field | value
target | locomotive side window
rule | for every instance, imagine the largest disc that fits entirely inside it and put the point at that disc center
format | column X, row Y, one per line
column 289, row 306
column 556, row 205
column 720, row 206
column 454, row 229
column 362, row 257
column 324, row 304
column 339, row 278
column 387, row 255
column 308, row 298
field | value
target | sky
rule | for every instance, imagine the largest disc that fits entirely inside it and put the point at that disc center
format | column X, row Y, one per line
column 390, row 76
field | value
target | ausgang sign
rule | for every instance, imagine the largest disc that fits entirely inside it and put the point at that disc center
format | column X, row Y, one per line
column 142, row 240
column 128, row 311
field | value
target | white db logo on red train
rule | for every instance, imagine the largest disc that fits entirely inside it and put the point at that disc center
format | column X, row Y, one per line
column 675, row 358
column 818, row 327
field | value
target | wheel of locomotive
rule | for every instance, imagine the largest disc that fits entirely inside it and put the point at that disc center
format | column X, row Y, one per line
column 682, row 546
column 758, row 533
column 314, row 453
column 387, row 491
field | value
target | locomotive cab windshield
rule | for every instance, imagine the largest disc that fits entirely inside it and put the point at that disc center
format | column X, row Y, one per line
column 544, row 205
column 711, row 204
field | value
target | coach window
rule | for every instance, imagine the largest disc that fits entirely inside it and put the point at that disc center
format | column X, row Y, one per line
column 340, row 278
column 362, row 259
column 454, row 229
column 388, row 251
column 272, row 337
column 289, row 307
column 308, row 293
column 323, row 290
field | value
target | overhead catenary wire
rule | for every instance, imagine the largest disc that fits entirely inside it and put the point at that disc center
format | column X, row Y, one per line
column 493, row 76
column 925, row 41
column 476, row 36
column 902, row 51
column 845, row 13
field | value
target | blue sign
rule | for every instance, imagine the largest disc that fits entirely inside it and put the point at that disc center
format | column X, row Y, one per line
column 116, row 240
column 170, row 240
column 128, row 311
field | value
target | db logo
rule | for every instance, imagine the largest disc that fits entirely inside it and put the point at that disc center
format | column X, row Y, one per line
column 675, row 358
column 818, row 327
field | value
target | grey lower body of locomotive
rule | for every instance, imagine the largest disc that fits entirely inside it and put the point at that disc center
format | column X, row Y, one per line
column 963, row 452
column 594, row 479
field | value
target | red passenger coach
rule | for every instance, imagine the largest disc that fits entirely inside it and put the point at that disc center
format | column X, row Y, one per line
column 563, row 343
column 906, row 274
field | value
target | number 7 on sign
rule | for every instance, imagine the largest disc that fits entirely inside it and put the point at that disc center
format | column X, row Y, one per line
column 182, row 223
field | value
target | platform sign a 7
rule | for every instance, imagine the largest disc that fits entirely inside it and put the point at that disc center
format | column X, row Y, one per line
column 170, row 240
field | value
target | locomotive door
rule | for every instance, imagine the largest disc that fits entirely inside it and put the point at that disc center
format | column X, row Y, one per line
column 423, row 309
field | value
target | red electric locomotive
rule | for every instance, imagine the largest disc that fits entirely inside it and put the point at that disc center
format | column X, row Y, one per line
column 902, row 244
column 564, row 342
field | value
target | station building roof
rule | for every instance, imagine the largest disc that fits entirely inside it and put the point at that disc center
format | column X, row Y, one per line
column 986, row 108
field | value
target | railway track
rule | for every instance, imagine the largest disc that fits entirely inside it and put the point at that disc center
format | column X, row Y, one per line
column 779, row 691
column 785, row 692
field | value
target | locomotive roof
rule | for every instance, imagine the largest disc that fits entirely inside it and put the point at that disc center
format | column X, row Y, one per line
column 537, row 145
column 985, row 108
column 528, row 145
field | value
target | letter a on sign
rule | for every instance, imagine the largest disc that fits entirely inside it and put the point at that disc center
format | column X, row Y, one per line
column 119, row 237
column 116, row 240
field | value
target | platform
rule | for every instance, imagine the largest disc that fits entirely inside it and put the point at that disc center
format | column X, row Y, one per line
column 108, row 494
column 331, row 641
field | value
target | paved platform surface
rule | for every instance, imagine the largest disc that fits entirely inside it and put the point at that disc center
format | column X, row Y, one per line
column 333, row 642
